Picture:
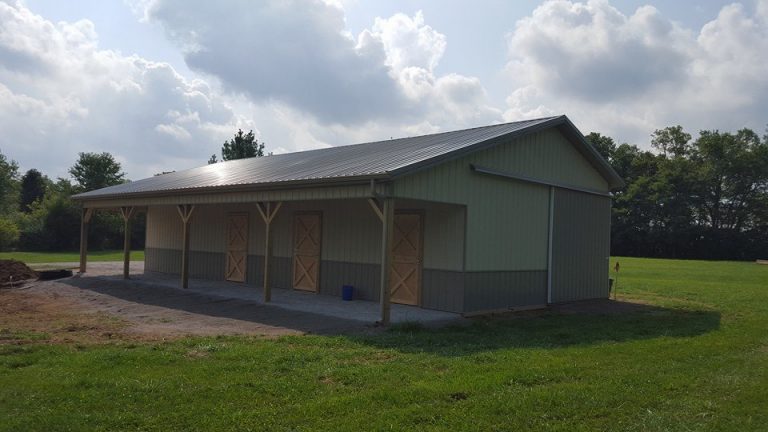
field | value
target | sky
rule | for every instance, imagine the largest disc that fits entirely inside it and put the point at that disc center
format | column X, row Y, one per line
column 161, row 84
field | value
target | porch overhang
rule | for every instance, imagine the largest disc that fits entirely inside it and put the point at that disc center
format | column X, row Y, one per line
column 349, row 189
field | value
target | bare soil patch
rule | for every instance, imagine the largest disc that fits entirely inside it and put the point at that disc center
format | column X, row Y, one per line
column 12, row 271
column 27, row 316
column 95, row 310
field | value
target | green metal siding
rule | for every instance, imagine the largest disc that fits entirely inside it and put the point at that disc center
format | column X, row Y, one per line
column 162, row 260
column 163, row 228
column 363, row 277
column 351, row 246
column 202, row 265
column 442, row 290
column 507, row 220
column 545, row 155
column 350, row 230
column 443, row 234
column 489, row 291
column 580, row 246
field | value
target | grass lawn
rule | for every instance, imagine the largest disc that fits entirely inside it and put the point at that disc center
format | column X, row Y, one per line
column 54, row 257
column 695, row 359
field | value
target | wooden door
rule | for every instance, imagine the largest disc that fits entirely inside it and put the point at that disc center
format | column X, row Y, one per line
column 237, row 246
column 307, row 235
column 405, row 274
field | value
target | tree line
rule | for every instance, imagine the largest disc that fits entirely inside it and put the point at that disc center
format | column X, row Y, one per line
column 703, row 198
column 38, row 214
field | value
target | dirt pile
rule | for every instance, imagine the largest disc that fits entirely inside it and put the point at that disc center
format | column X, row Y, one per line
column 12, row 270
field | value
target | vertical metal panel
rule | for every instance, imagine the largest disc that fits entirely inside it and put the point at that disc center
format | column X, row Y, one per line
column 281, row 271
column 208, row 228
column 506, row 221
column 507, row 225
column 551, row 219
column 443, row 290
column 350, row 230
column 254, row 274
column 163, row 228
column 162, row 260
column 548, row 155
column 363, row 277
column 580, row 250
column 206, row 265
column 443, row 231
column 487, row 291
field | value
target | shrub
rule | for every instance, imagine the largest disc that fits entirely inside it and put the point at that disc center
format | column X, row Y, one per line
column 9, row 234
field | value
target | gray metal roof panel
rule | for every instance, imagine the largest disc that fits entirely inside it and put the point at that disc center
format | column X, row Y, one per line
column 373, row 159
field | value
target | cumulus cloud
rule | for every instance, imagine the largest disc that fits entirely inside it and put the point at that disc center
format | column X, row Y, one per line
column 294, row 51
column 626, row 75
column 299, row 54
column 413, row 50
column 60, row 94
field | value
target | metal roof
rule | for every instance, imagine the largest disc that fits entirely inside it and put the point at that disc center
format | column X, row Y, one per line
column 380, row 159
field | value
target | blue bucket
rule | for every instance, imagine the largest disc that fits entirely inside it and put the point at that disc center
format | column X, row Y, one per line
column 347, row 292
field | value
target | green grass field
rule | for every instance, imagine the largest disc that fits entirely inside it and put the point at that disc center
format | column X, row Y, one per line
column 697, row 359
column 56, row 257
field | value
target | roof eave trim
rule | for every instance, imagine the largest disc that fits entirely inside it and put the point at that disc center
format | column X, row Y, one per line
column 250, row 187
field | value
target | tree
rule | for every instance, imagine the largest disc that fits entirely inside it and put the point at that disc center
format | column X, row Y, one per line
column 212, row 159
column 671, row 141
column 241, row 146
column 603, row 144
column 32, row 189
column 732, row 178
column 9, row 185
column 96, row 170
column 705, row 199
column 9, row 233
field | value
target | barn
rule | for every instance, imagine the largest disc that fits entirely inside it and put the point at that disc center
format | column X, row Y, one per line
column 502, row 217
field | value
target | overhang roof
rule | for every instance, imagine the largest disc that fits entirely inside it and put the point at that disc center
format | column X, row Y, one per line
column 373, row 160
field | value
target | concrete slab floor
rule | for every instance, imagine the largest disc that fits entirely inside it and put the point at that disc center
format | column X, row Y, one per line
column 357, row 310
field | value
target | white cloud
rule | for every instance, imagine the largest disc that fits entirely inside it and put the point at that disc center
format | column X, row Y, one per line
column 628, row 75
column 300, row 54
column 296, row 52
column 409, row 42
column 413, row 51
column 60, row 94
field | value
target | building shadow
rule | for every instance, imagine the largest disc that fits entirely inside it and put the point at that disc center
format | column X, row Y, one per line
column 562, row 326
column 212, row 305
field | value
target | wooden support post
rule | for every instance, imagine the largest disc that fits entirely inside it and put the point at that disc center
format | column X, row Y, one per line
column 185, row 211
column 267, row 214
column 126, row 213
column 386, row 214
column 85, row 222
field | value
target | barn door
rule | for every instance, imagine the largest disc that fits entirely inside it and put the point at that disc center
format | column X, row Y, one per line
column 405, row 274
column 306, row 251
column 237, row 246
